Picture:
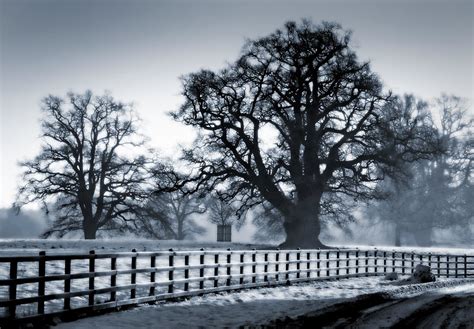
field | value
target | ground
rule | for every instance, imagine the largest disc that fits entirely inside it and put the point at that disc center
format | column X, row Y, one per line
column 448, row 308
column 288, row 306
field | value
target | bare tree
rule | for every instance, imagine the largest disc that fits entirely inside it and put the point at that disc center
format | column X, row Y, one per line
column 84, row 168
column 295, row 118
column 169, row 215
column 436, row 193
column 223, row 212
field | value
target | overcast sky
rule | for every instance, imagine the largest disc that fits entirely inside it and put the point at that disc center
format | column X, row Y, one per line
column 138, row 49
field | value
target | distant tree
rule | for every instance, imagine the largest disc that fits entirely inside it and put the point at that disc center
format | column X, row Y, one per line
column 269, row 224
column 223, row 212
column 27, row 224
column 295, row 119
column 85, row 168
column 437, row 193
column 169, row 215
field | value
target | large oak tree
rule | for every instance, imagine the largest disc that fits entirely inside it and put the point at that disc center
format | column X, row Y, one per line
column 87, row 172
column 295, row 120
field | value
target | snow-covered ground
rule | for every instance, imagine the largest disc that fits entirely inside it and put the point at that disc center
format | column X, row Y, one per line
column 409, row 249
column 249, row 307
column 32, row 246
column 54, row 246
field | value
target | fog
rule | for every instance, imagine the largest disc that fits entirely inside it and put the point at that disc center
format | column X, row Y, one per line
column 26, row 224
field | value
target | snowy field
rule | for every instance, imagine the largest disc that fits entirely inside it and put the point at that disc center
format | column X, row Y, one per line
column 54, row 246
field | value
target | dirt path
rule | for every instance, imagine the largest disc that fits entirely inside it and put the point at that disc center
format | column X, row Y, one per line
column 441, row 309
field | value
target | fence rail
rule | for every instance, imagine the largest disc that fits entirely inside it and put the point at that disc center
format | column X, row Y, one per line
column 34, row 286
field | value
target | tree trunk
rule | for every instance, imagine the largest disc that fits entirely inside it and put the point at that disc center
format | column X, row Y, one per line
column 303, row 226
column 398, row 233
column 90, row 230
column 180, row 235
column 423, row 237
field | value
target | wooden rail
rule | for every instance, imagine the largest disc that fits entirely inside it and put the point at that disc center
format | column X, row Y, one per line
column 35, row 286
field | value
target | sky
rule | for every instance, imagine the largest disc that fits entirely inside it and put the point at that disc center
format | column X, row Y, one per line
column 137, row 50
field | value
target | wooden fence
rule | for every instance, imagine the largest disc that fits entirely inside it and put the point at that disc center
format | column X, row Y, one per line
column 50, row 285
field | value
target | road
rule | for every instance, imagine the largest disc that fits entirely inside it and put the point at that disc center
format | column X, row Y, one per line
column 447, row 309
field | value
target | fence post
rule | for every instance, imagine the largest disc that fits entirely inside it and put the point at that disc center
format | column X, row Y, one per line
column 133, row 276
column 447, row 266
column 465, row 265
column 201, row 270
column 12, row 288
column 438, row 260
column 328, row 264
column 308, row 264
column 229, row 255
column 254, row 267
column 318, row 258
column 357, row 261
column 337, row 262
column 366, row 263
column 242, row 258
column 429, row 259
column 113, row 278
column 375, row 261
column 153, row 275
column 171, row 271
column 265, row 267
column 91, row 277
column 347, row 262
column 67, row 283
column 412, row 262
column 455, row 266
column 403, row 263
column 287, row 265
column 277, row 264
column 298, row 258
column 41, row 282
column 384, row 262
column 216, row 270
column 186, row 272
column 393, row 261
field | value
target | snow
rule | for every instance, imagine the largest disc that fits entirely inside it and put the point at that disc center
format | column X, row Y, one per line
column 415, row 249
column 248, row 307
column 32, row 246
column 9, row 247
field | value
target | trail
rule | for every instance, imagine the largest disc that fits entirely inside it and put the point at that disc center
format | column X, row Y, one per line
column 447, row 308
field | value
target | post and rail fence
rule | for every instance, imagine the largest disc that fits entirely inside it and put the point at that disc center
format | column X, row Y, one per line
column 33, row 287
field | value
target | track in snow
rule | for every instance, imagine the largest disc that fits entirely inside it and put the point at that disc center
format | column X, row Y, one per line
column 429, row 310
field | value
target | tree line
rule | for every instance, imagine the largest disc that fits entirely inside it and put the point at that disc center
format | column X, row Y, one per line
column 297, row 130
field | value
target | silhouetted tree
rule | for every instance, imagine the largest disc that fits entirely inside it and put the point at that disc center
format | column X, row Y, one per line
column 85, row 168
column 169, row 215
column 295, row 119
